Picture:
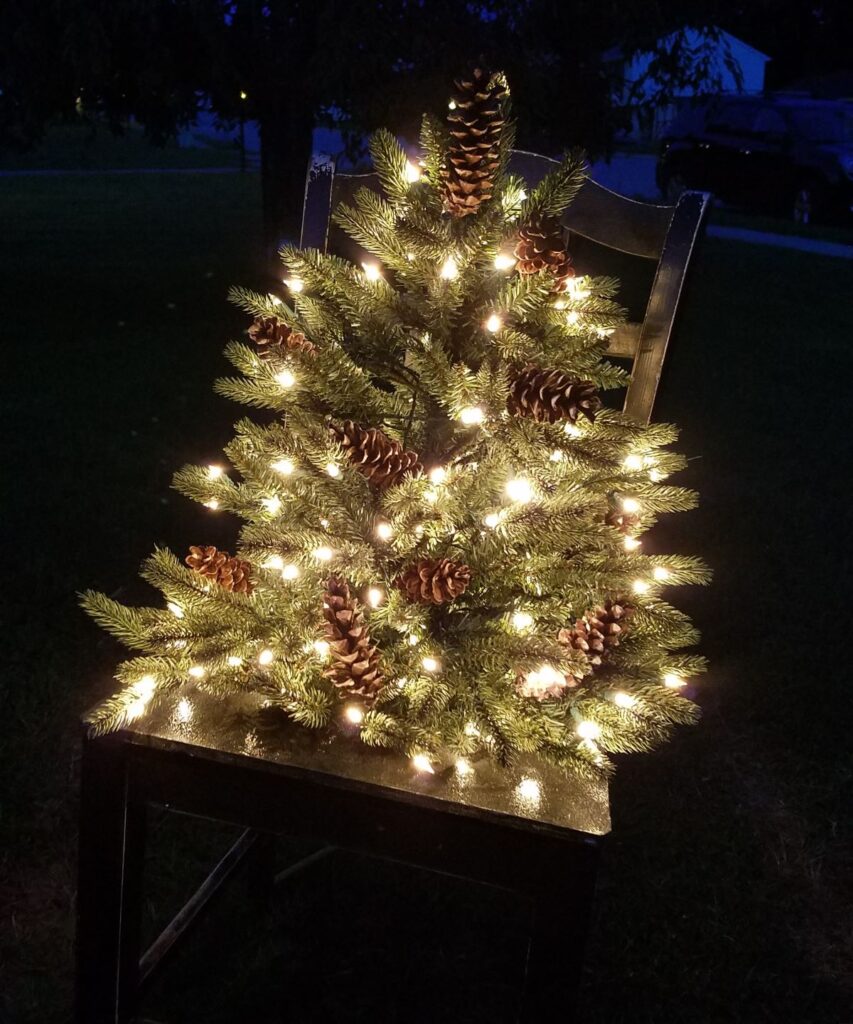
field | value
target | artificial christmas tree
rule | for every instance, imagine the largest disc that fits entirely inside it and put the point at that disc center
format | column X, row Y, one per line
column 441, row 515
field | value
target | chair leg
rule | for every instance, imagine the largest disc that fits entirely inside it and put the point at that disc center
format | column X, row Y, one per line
column 109, row 889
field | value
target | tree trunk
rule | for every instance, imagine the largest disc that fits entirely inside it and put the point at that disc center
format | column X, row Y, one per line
column 286, row 136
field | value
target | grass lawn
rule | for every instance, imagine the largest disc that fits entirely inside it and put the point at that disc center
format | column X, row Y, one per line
column 725, row 892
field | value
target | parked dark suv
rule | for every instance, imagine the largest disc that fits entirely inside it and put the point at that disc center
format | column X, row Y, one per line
column 787, row 154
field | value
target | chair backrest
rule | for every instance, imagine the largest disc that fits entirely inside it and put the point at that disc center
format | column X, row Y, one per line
column 666, row 235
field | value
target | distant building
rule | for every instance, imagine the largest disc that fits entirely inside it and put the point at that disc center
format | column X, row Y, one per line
column 724, row 63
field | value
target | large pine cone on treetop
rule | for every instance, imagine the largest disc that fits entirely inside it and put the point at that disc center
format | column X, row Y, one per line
column 551, row 395
column 475, row 121
column 220, row 567
column 434, row 580
column 354, row 666
column 382, row 460
column 275, row 339
column 541, row 246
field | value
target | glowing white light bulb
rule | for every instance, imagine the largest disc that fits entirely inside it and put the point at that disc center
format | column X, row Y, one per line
column 630, row 505
column 372, row 271
column 422, row 763
column 556, row 455
column 631, row 543
column 175, row 609
column 519, row 489
column 197, row 671
column 661, row 573
column 272, row 505
column 375, row 597
column 437, row 474
column 560, row 304
column 324, row 523
column 321, row 647
column 471, row 729
column 572, row 317
column 449, row 269
column 213, row 504
column 472, row 415
column 623, row 700
column 656, row 476
column 333, row 469
column 430, row 664
column 588, row 730
column 640, row 586
column 633, row 462
column 384, row 531
column 214, row 472
column 266, row 657
column 274, row 562
column 323, row 554
column 462, row 766
column 145, row 687
column 673, row 681
column 234, row 660
column 522, row 620
column 529, row 790
column 494, row 323
column 412, row 172
column 504, row 261
column 295, row 284
column 414, row 639
column 285, row 378
column 451, row 105
column 283, row 466
column 354, row 714
column 290, row 572
column 492, row 520
column 573, row 430
column 522, row 195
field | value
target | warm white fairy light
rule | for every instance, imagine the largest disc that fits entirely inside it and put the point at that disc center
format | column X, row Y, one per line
column 414, row 639
column 430, row 664
column 354, row 714
column 375, row 596
column 333, row 469
column 144, row 688
column 175, row 609
column 576, row 287
column 630, row 505
column 422, row 764
column 323, row 554
column 234, row 660
column 272, row 505
column 324, row 523
column 275, row 300
column 572, row 429
column 197, row 671
column 492, row 520
column 321, row 647
column 274, row 562
column 519, row 489
column 449, row 269
column 573, row 317
column 656, row 476
column 215, row 472
column 266, row 657
column 493, row 323
column 290, row 572
column 285, row 378
column 588, row 730
column 412, row 172
column 522, row 195
column 529, row 790
column 640, row 586
column 471, row 415
column 462, row 766
column 471, row 729
column 673, row 681
column 560, row 304
column 504, row 261
column 372, row 271
column 212, row 503
column 283, row 466
column 631, row 543
column 633, row 463
column 384, row 531
column 661, row 573
column 556, row 455
column 623, row 700
column 294, row 284
column 437, row 475
column 522, row 620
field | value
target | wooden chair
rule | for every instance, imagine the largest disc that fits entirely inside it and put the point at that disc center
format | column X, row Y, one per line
column 530, row 830
column 664, row 236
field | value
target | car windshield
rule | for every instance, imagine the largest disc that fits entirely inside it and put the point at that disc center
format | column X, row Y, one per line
column 820, row 124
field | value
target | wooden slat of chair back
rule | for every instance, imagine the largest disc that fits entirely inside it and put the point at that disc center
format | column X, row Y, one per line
column 665, row 234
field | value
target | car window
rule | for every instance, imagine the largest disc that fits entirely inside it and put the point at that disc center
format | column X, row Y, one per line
column 770, row 122
column 733, row 119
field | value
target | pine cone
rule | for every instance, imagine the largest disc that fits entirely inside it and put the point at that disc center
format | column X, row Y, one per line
column 541, row 246
column 584, row 638
column 599, row 630
column 476, row 122
column 220, row 567
column 384, row 462
column 354, row 667
column 275, row 340
column 625, row 522
column 434, row 580
column 551, row 395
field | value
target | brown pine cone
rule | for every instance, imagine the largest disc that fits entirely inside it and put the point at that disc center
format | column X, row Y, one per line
column 354, row 667
column 434, row 580
column 625, row 522
column 582, row 637
column 551, row 395
column 599, row 630
column 220, row 567
column 375, row 455
column 275, row 340
column 541, row 246
column 476, row 121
